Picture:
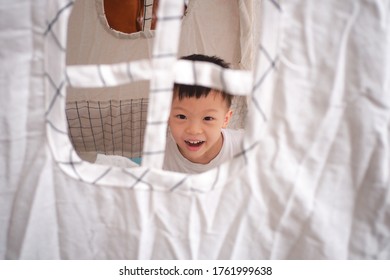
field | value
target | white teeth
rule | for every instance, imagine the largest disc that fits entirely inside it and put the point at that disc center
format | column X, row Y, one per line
column 194, row 142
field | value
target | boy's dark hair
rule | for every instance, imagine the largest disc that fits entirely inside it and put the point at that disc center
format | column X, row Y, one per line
column 184, row 91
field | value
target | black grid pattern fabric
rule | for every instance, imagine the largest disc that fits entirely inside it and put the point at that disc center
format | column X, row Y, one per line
column 114, row 127
column 147, row 17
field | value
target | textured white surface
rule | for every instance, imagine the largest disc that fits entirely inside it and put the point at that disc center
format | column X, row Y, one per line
column 312, row 181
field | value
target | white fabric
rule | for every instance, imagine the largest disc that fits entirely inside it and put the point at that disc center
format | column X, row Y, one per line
column 205, row 25
column 109, row 75
column 174, row 160
column 112, row 160
column 237, row 82
column 313, row 181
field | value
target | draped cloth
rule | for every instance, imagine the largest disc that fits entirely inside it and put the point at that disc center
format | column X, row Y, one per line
column 311, row 180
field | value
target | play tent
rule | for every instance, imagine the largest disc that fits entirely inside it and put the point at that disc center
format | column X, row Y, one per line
column 312, row 84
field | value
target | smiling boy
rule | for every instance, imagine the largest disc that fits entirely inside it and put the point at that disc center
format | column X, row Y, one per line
column 198, row 138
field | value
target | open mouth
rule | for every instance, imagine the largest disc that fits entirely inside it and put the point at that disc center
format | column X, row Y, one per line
column 194, row 143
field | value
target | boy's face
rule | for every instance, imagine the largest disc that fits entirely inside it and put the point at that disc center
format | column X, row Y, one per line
column 196, row 126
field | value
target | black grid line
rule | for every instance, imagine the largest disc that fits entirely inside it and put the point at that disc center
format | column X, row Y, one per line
column 258, row 84
column 265, row 74
column 138, row 179
column 142, row 117
column 258, row 108
column 58, row 93
column 55, row 128
column 82, row 135
column 102, row 175
column 112, row 134
column 90, row 123
column 263, row 50
column 69, row 163
column 131, row 130
column 276, row 4
column 245, row 151
column 101, row 122
column 144, row 15
column 57, row 16
column 178, row 184
column 147, row 7
column 67, row 78
column 62, row 48
column 120, row 114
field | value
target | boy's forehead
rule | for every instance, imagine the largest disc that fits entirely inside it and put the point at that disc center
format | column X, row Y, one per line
column 199, row 105
column 214, row 96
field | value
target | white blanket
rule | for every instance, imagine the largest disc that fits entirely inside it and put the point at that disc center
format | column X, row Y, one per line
column 312, row 181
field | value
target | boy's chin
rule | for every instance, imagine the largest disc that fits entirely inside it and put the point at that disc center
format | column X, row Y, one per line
column 191, row 156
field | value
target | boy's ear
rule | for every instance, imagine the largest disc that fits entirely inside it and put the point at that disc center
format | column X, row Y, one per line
column 228, row 115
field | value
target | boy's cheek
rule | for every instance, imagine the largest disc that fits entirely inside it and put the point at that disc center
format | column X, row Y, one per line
column 170, row 121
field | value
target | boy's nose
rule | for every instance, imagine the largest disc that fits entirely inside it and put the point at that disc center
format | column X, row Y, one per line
column 194, row 128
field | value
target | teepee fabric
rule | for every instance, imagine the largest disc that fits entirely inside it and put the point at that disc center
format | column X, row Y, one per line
column 311, row 180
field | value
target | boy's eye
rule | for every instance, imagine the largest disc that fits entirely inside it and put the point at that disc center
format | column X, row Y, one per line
column 208, row 118
column 181, row 117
